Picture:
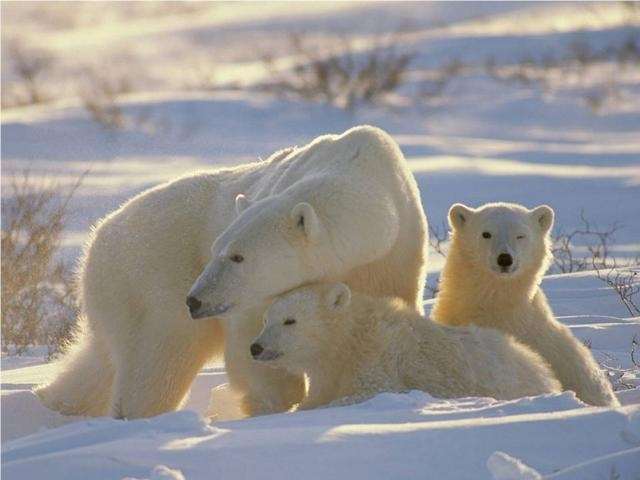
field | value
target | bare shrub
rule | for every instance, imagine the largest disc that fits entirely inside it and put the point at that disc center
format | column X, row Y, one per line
column 584, row 248
column 622, row 378
column 629, row 52
column 438, row 237
column 100, row 100
column 38, row 300
column 589, row 248
column 432, row 288
column 552, row 71
column 29, row 66
column 597, row 99
column 438, row 79
column 525, row 72
column 340, row 74
column 626, row 283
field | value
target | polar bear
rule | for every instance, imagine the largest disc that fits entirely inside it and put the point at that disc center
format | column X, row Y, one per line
column 344, row 207
column 498, row 255
column 352, row 346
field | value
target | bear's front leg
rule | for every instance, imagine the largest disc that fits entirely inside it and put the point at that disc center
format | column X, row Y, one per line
column 156, row 369
column 271, row 391
column 574, row 364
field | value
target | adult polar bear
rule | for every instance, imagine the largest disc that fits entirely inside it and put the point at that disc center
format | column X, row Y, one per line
column 342, row 208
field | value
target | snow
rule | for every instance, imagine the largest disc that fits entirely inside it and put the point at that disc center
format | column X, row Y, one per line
column 392, row 436
column 410, row 435
column 482, row 140
column 505, row 467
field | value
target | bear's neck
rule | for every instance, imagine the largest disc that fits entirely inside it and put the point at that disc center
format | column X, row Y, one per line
column 368, row 280
column 469, row 295
column 351, row 343
column 323, row 384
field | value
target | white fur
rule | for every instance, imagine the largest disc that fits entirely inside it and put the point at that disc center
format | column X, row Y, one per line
column 352, row 346
column 474, row 290
column 342, row 207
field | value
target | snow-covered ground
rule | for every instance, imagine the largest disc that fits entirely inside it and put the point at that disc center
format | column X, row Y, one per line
column 481, row 140
column 391, row 436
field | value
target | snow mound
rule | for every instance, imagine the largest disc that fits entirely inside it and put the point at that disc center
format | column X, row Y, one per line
column 24, row 414
column 391, row 436
column 505, row 467
column 161, row 472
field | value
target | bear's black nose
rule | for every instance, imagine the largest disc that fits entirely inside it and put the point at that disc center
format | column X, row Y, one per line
column 256, row 349
column 194, row 304
column 505, row 260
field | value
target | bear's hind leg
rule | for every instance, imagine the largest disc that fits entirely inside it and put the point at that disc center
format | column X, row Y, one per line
column 83, row 386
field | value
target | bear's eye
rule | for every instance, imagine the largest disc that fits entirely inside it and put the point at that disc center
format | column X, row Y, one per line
column 289, row 321
column 520, row 237
column 237, row 258
column 486, row 235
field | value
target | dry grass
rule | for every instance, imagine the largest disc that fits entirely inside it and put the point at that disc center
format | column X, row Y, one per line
column 338, row 73
column 433, row 88
column 38, row 299
column 626, row 283
column 598, row 74
column 100, row 99
column 622, row 378
column 30, row 67
column 584, row 248
column 438, row 236
column 589, row 248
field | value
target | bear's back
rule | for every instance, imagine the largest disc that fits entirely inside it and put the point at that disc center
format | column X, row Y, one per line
column 361, row 152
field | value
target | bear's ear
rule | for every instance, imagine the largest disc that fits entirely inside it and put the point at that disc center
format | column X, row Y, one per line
column 305, row 218
column 242, row 203
column 338, row 297
column 543, row 215
column 459, row 214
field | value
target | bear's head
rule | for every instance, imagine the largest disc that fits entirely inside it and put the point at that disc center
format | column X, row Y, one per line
column 320, row 228
column 272, row 246
column 302, row 324
column 502, row 239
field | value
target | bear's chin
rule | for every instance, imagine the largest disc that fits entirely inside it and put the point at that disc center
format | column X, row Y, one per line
column 504, row 274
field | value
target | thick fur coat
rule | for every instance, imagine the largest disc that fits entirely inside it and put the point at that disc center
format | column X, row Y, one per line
column 344, row 207
column 477, row 288
column 352, row 346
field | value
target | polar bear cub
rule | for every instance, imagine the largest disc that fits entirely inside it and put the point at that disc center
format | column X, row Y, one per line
column 352, row 346
column 495, row 263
